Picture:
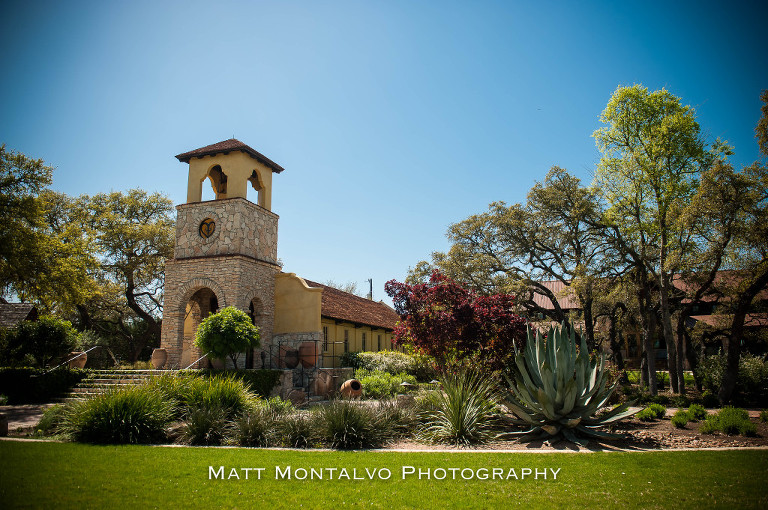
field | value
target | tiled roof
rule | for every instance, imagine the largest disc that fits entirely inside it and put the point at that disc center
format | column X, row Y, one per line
column 723, row 286
column 226, row 147
column 751, row 320
column 348, row 307
column 11, row 314
column 565, row 298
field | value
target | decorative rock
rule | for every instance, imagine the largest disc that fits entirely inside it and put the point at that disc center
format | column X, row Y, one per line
column 79, row 361
column 298, row 397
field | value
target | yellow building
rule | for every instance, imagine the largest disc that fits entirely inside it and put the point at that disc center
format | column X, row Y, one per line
column 226, row 255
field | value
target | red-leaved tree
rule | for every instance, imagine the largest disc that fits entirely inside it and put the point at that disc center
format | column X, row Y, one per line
column 451, row 323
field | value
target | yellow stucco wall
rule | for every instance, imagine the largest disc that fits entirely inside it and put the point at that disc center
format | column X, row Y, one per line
column 238, row 167
column 297, row 306
column 334, row 347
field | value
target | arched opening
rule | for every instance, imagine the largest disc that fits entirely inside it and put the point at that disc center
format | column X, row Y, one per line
column 202, row 303
column 256, row 188
column 255, row 312
column 218, row 181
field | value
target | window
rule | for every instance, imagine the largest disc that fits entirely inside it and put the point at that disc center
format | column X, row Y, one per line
column 346, row 340
column 363, row 346
column 379, row 342
column 325, row 338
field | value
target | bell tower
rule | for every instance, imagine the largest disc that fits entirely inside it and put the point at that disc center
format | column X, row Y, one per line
column 226, row 248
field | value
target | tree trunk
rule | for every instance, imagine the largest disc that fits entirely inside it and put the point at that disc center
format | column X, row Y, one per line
column 588, row 325
column 666, row 326
column 648, row 324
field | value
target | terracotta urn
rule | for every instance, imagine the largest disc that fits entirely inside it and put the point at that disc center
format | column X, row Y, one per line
column 218, row 363
column 289, row 357
column 79, row 361
column 159, row 357
column 308, row 354
column 351, row 388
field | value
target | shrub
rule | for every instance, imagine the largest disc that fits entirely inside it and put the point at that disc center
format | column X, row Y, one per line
column 228, row 393
column 3, row 400
column 44, row 340
column 400, row 420
column 680, row 419
column 348, row 425
column 463, row 412
column 652, row 412
column 206, row 425
column 136, row 414
column 261, row 382
column 378, row 384
column 696, row 412
column 709, row 399
column 416, row 365
column 32, row 385
column 764, row 415
column 730, row 421
column 296, row 430
column 751, row 381
column 680, row 401
column 227, row 332
column 277, row 406
column 51, row 420
column 255, row 428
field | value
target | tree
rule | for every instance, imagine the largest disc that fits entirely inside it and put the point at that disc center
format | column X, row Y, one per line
column 44, row 340
column 349, row 287
column 227, row 333
column 652, row 155
column 133, row 236
column 553, row 236
column 454, row 324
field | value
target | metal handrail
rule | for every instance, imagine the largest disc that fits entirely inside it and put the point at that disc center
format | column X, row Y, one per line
column 198, row 359
column 73, row 358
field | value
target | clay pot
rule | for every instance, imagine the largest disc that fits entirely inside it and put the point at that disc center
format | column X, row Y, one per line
column 289, row 357
column 308, row 354
column 159, row 357
column 79, row 361
column 217, row 363
column 351, row 388
column 323, row 385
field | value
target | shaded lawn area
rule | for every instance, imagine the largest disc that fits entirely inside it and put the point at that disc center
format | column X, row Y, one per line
column 67, row 475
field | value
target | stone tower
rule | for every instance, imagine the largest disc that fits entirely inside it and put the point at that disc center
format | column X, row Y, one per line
column 226, row 248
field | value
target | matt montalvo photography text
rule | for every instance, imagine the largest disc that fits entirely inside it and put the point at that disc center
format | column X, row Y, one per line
column 403, row 473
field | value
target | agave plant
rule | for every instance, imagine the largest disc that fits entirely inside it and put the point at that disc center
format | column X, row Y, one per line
column 558, row 389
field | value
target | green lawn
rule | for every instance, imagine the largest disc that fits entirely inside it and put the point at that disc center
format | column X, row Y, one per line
column 66, row 475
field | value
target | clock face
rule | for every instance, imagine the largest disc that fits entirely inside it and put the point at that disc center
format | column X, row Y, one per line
column 207, row 228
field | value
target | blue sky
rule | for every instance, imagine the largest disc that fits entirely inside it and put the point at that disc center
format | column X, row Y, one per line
column 392, row 119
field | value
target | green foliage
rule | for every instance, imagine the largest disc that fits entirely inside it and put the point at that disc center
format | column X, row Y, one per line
column 296, row 430
column 261, row 382
column 652, row 412
column 463, row 411
column 680, row 419
column 751, row 380
column 3, row 400
column 45, row 340
column 206, row 425
column 349, row 425
column 378, row 384
column 696, row 412
column 420, row 366
column 559, row 390
column 227, row 333
column 731, row 421
column 51, row 420
column 31, row 385
column 764, row 415
column 709, row 399
column 256, row 428
column 277, row 406
column 135, row 414
column 230, row 394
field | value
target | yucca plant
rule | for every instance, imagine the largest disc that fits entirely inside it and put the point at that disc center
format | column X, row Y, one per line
column 463, row 411
column 558, row 389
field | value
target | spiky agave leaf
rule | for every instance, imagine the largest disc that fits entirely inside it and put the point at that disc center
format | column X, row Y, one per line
column 558, row 389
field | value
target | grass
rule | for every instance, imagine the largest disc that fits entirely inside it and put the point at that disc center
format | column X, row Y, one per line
column 65, row 475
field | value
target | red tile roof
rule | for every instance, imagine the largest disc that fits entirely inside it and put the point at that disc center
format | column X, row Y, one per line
column 752, row 320
column 226, row 147
column 341, row 305
column 566, row 299
column 12, row 314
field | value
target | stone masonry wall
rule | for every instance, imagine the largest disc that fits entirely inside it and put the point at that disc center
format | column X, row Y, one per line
column 241, row 228
column 234, row 279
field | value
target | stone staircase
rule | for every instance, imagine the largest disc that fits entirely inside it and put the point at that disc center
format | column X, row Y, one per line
column 103, row 380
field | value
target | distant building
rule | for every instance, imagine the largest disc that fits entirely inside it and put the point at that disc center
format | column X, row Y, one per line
column 13, row 314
